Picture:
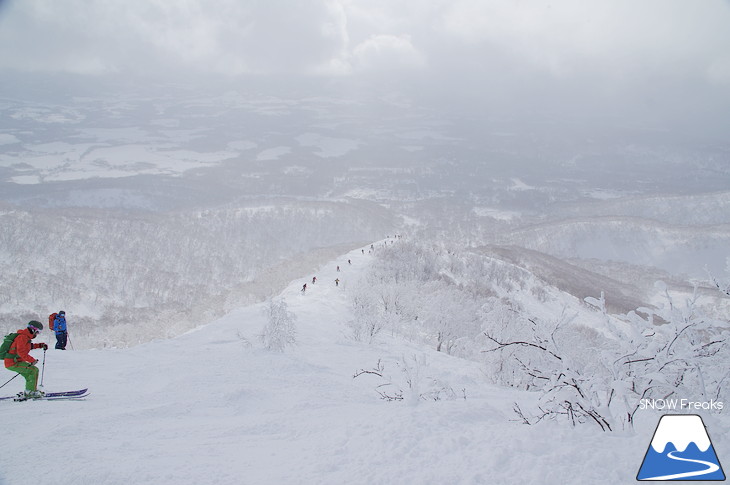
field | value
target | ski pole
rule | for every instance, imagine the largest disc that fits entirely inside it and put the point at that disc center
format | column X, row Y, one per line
column 43, row 372
column 16, row 375
column 69, row 341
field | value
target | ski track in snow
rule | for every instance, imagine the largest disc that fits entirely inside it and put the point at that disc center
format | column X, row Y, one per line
column 213, row 407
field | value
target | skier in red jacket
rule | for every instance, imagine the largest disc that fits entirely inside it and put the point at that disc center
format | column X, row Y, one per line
column 19, row 360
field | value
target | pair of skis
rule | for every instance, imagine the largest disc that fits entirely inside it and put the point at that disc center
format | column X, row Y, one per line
column 52, row 396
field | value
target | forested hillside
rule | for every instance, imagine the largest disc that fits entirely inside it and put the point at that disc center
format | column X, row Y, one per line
column 140, row 275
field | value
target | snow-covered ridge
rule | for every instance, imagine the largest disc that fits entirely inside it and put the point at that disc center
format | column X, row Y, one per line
column 677, row 249
column 699, row 209
column 574, row 280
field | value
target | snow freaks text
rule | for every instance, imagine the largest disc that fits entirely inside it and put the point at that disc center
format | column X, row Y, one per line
column 681, row 405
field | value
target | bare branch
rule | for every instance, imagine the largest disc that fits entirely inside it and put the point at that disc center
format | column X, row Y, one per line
column 377, row 371
column 518, row 411
column 502, row 345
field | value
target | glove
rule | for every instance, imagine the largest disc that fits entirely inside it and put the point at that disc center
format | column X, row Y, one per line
column 44, row 346
column 35, row 362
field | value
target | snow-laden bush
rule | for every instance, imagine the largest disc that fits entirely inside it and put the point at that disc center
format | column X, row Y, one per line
column 280, row 331
column 549, row 360
column 411, row 382
column 674, row 351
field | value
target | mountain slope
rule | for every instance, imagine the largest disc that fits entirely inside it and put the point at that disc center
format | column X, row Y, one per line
column 577, row 281
column 676, row 249
column 212, row 406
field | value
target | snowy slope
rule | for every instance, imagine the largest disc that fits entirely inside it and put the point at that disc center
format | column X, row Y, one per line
column 213, row 407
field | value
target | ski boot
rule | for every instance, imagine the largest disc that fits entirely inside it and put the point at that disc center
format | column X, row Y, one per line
column 25, row 395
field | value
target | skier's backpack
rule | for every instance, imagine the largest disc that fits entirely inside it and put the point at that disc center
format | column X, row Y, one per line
column 51, row 320
column 5, row 346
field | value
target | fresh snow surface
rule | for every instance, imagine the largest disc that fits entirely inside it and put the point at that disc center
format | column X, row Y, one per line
column 214, row 407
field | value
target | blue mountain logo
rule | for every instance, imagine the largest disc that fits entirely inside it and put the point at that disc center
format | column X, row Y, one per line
column 681, row 450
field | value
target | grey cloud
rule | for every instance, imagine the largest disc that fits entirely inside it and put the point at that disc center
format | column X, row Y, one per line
column 614, row 38
column 222, row 36
column 656, row 59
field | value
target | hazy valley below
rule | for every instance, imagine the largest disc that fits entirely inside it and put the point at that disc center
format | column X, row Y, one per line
column 131, row 205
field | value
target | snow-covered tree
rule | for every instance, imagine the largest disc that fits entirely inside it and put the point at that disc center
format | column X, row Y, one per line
column 280, row 331
column 449, row 315
column 368, row 320
column 425, row 293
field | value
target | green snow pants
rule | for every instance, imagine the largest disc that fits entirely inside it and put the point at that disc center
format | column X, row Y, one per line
column 30, row 372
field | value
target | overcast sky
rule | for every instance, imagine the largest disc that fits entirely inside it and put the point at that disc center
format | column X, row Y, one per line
column 668, row 56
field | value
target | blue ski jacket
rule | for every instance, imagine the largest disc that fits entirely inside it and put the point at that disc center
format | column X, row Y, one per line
column 59, row 324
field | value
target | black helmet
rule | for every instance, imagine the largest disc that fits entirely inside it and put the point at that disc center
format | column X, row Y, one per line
column 35, row 326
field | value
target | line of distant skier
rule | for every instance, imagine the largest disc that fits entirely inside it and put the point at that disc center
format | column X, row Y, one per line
column 349, row 262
